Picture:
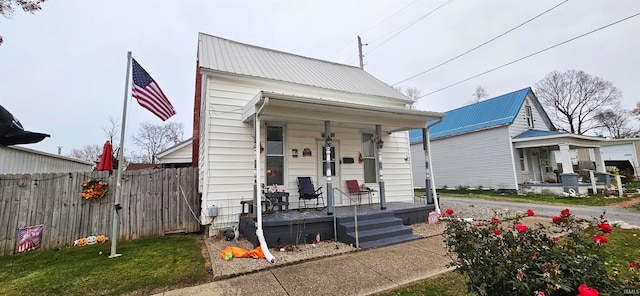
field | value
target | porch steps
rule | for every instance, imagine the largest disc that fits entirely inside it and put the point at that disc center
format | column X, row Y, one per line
column 374, row 230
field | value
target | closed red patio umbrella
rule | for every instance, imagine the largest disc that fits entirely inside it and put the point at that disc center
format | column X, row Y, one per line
column 106, row 160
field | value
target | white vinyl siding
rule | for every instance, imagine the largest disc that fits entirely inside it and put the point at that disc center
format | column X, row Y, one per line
column 227, row 147
column 520, row 124
column 481, row 158
column 418, row 165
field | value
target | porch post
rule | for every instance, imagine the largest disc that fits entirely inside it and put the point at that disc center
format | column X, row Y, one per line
column 327, row 149
column 569, row 178
column 601, row 170
column 378, row 151
column 427, row 180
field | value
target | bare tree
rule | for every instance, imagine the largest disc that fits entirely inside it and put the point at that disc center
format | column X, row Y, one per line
column 153, row 138
column 90, row 153
column 8, row 7
column 412, row 93
column 574, row 98
column 479, row 94
column 615, row 124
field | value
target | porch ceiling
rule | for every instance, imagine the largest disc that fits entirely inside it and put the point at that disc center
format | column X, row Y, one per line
column 573, row 140
column 299, row 109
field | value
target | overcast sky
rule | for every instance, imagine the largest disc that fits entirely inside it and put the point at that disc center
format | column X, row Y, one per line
column 62, row 70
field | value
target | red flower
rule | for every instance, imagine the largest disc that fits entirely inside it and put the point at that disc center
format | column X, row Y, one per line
column 565, row 213
column 556, row 239
column 530, row 212
column 495, row 220
column 449, row 212
column 534, row 256
column 633, row 265
column 557, row 219
column 599, row 239
column 521, row 228
column 605, row 227
column 541, row 294
column 586, row 291
column 497, row 232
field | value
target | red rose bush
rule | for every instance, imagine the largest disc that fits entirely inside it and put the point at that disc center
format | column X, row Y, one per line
column 511, row 258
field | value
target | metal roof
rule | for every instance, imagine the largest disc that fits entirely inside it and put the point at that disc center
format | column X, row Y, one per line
column 229, row 56
column 536, row 133
column 501, row 110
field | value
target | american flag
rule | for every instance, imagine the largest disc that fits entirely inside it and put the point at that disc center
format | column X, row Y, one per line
column 29, row 238
column 149, row 94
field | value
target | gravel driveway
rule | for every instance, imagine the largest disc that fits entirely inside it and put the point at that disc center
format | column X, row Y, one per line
column 483, row 209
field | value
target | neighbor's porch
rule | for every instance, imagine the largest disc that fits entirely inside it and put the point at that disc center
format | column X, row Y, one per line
column 557, row 163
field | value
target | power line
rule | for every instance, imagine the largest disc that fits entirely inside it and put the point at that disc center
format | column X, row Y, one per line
column 409, row 25
column 481, row 45
column 380, row 22
column 530, row 55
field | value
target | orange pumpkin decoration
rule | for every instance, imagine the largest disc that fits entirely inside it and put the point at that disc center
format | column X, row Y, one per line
column 81, row 242
column 100, row 239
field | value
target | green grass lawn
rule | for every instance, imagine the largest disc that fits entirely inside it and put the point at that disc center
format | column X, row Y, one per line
column 529, row 198
column 145, row 265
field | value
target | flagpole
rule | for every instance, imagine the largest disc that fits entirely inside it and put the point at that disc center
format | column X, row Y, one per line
column 116, row 204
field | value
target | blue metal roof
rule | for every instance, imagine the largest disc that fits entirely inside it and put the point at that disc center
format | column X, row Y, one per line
column 489, row 113
column 536, row 133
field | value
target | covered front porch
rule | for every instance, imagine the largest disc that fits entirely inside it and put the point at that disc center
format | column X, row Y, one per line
column 331, row 142
column 559, row 163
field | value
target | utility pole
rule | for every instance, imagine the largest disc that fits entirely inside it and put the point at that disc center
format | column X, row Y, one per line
column 360, row 52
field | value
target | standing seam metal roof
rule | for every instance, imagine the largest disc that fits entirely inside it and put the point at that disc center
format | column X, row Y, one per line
column 490, row 113
column 225, row 55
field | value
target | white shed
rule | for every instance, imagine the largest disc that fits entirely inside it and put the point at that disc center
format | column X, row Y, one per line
column 21, row 160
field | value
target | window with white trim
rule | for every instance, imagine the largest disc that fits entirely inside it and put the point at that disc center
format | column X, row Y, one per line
column 528, row 115
column 368, row 154
column 523, row 160
column 275, row 155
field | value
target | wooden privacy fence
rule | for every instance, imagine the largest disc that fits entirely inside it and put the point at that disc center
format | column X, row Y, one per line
column 154, row 203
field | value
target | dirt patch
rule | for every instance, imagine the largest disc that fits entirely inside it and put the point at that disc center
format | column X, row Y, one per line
column 627, row 204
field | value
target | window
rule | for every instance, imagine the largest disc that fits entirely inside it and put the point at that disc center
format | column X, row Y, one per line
column 275, row 155
column 528, row 116
column 523, row 160
column 370, row 171
column 332, row 161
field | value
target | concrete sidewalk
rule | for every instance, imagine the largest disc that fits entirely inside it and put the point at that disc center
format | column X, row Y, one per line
column 357, row 273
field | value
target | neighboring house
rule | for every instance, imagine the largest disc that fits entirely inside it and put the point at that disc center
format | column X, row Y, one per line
column 177, row 156
column 21, row 160
column 508, row 143
column 623, row 154
column 289, row 108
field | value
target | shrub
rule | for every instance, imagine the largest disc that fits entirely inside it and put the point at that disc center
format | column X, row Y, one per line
column 509, row 258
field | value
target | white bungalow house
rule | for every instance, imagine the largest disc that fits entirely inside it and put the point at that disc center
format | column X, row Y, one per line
column 291, row 112
column 506, row 143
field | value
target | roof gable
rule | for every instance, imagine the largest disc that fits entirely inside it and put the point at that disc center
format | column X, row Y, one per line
column 501, row 110
column 233, row 57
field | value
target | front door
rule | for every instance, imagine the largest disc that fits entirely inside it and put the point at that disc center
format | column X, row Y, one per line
column 335, row 169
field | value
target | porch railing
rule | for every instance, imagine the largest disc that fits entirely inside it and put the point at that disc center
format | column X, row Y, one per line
column 355, row 216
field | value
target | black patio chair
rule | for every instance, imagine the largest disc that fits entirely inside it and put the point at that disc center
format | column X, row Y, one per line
column 308, row 193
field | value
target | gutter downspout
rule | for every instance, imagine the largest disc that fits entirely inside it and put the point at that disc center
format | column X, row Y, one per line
column 427, row 146
column 257, row 198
